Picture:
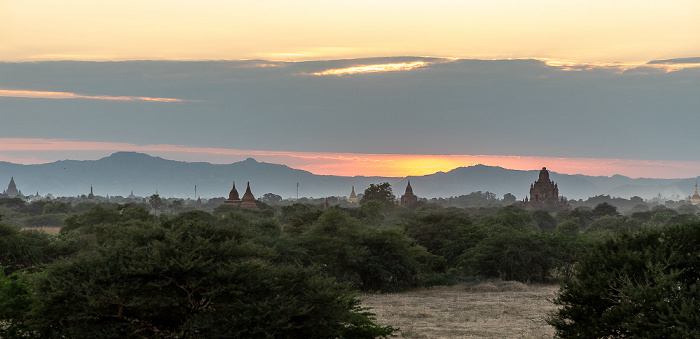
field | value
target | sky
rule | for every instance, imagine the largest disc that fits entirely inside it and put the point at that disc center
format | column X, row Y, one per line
column 390, row 88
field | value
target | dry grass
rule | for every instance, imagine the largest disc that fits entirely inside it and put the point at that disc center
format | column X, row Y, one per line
column 48, row 229
column 484, row 310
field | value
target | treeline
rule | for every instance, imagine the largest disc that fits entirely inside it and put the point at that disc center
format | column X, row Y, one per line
column 132, row 271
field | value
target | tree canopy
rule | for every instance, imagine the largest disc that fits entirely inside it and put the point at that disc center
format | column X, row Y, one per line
column 379, row 192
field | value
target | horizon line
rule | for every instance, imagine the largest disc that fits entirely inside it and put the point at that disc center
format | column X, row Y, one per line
column 27, row 151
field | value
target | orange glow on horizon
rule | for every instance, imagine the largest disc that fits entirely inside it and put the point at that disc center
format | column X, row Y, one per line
column 36, row 151
column 10, row 93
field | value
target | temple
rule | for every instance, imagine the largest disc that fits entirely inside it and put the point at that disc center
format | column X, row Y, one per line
column 544, row 194
column 353, row 197
column 408, row 199
column 248, row 201
column 233, row 198
column 695, row 199
column 11, row 191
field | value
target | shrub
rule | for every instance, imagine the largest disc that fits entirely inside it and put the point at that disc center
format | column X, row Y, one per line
column 192, row 276
column 644, row 285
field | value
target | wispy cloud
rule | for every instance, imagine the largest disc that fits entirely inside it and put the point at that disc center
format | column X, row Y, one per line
column 33, row 151
column 618, row 67
column 13, row 93
column 394, row 67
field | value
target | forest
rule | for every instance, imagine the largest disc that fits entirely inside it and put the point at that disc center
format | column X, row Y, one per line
column 293, row 270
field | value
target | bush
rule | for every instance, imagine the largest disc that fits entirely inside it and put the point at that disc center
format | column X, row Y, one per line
column 368, row 258
column 22, row 249
column 191, row 276
column 644, row 285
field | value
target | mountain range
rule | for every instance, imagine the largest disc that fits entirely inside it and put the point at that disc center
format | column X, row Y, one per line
column 123, row 172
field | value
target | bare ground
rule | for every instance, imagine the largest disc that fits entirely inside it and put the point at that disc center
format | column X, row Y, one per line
column 485, row 310
column 48, row 229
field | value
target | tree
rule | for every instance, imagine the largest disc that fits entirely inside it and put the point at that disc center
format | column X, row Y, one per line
column 194, row 275
column 22, row 249
column 508, row 199
column 642, row 285
column 369, row 258
column 156, row 202
column 603, row 209
column 177, row 205
column 271, row 197
column 379, row 192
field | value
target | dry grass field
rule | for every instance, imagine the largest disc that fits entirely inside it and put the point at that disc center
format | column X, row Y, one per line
column 47, row 229
column 485, row 310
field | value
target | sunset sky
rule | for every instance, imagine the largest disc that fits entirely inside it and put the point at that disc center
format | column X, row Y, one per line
column 380, row 87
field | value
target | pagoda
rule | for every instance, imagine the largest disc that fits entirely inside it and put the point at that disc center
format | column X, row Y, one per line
column 544, row 194
column 408, row 199
column 11, row 191
column 353, row 197
column 233, row 198
column 248, row 201
column 695, row 199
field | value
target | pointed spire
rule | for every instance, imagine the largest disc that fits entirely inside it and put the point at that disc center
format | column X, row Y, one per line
column 353, row 197
column 12, row 189
column 695, row 199
column 233, row 196
column 248, row 201
column 409, row 189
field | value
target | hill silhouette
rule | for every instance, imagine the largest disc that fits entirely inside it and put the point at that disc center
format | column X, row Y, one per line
column 122, row 172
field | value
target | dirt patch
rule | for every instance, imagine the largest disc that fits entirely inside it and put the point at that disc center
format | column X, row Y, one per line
column 47, row 229
column 483, row 310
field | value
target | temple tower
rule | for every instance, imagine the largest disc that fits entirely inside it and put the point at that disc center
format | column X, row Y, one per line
column 695, row 199
column 233, row 198
column 408, row 199
column 353, row 197
column 248, row 201
column 544, row 194
column 11, row 190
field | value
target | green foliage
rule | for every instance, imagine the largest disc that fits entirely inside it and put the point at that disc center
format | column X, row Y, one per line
column 14, row 303
column 371, row 212
column 366, row 257
column 614, row 224
column 51, row 220
column 99, row 215
column 12, row 203
column 298, row 218
column 569, row 227
column 603, row 209
column 448, row 234
column 545, row 221
column 56, row 207
column 512, row 217
column 22, row 249
column 642, row 285
column 379, row 192
column 193, row 275
column 511, row 254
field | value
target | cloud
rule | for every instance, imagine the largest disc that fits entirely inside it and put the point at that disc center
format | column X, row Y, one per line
column 509, row 107
column 403, row 66
column 695, row 60
column 10, row 93
column 671, row 65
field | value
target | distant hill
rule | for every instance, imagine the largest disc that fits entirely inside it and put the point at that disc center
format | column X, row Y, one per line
column 122, row 172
